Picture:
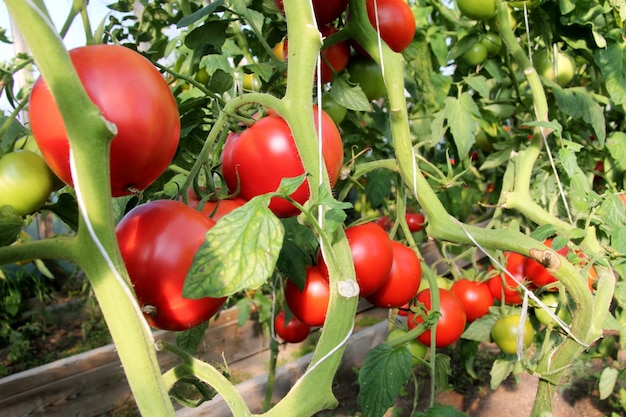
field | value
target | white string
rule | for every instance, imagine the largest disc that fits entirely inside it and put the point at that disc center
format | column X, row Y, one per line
column 330, row 353
column 380, row 41
column 121, row 281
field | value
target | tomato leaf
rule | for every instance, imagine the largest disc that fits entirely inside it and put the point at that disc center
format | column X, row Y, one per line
column 199, row 14
column 608, row 378
column 240, row 252
column 10, row 225
column 460, row 114
column 189, row 340
column 442, row 371
column 612, row 61
column 384, row 373
column 480, row 329
column 579, row 103
column 440, row 411
column 500, row 371
column 349, row 95
column 543, row 232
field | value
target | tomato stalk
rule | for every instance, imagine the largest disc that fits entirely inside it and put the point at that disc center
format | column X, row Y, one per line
column 97, row 254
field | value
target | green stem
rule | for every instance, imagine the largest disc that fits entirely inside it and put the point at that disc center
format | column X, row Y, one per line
column 271, row 375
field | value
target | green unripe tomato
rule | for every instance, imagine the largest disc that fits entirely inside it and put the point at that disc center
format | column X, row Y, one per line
column 418, row 350
column 26, row 181
column 551, row 300
column 476, row 55
column 336, row 111
column 27, row 143
column 504, row 333
column 202, row 76
column 251, row 82
column 492, row 43
column 478, row 9
column 368, row 74
column 565, row 67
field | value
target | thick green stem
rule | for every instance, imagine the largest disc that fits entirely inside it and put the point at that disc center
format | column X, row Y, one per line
column 98, row 254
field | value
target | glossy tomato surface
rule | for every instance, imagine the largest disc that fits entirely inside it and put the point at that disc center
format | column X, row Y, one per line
column 132, row 94
column 504, row 333
column 310, row 304
column 326, row 11
column 475, row 296
column 478, row 9
column 293, row 331
column 503, row 287
column 537, row 273
column 256, row 160
column 25, row 181
column 158, row 241
column 372, row 254
column 395, row 21
column 403, row 281
column 215, row 209
column 415, row 221
column 451, row 323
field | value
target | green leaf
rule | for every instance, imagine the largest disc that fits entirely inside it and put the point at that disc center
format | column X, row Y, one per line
column 543, row 232
column 189, row 340
column 10, row 225
column 500, row 371
column 240, row 252
column 378, row 187
column 616, row 145
column 440, row 411
column 479, row 84
column 612, row 63
column 349, row 95
column 480, row 329
column 208, row 38
column 607, row 382
column 579, row 103
column 199, row 14
column 292, row 262
column 220, row 81
column 460, row 115
column 289, row 186
column 384, row 373
column 14, row 132
column 66, row 209
column 442, row 371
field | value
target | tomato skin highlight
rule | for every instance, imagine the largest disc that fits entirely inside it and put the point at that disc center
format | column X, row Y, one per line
column 475, row 296
column 158, row 241
column 132, row 94
column 310, row 304
column 395, row 21
column 451, row 323
column 293, row 331
column 25, row 181
column 503, row 287
column 504, row 333
column 268, row 143
column 403, row 281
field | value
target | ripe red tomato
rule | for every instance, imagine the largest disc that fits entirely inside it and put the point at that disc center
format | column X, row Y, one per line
column 415, row 221
column 293, row 331
column 310, row 304
column 395, row 21
column 158, row 241
column 475, row 297
column 372, row 253
column 25, row 181
column 215, row 209
column 510, row 292
column 262, row 155
column 326, row 11
column 132, row 94
column 451, row 323
column 403, row 281
column 537, row 273
column 335, row 57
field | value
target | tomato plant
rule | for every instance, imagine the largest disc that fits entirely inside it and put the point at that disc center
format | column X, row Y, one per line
column 403, row 281
column 269, row 143
column 158, row 241
column 394, row 20
column 559, row 68
column 492, row 42
column 450, row 324
column 505, row 331
column 25, row 181
column 367, row 74
column 503, row 287
column 336, row 111
column 537, row 273
column 372, row 253
column 309, row 305
column 119, row 81
column 553, row 304
column 292, row 331
column 475, row 296
column 476, row 54
column 215, row 209
column 417, row 349
column 325, row 11
column 478, row 9
column 415, row 221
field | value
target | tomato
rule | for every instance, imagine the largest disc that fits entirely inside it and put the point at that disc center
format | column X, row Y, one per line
column 492, row 42
column 385, row 222
column 417, row 349
column 476, row 55
column 310, row 304
column 268, row 143
column 202, row 76
column 158, row 241
column 537, row 273
column 326, row 11
column 451, row 323
column 336, row 111
column 132, row 94
column 478, row 9
column 372, row 253
column 415, row 221
column 215, row 209
column 475, row 297
column 293, row 331
column 503, row 287
column 504, row 333
column 368, row 75
column 25, row 181
column 403, row 281
column 251, row 82
column 552, row 302
column 442, row 282
column 545, row 65
column 395, row 22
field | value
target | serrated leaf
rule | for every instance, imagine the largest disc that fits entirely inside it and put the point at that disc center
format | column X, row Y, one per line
column 10, row 225
column 220, row 81
column 442, row 371
column 496, row 159
column 500, row 371
column 189, row 340
column 208, row 38
column 543, row 232
column 479, row 84
column 480, row 329
column 606, row 385
column 460, row 114
column 384, row 373
column 612, row 63
column 579, row 103
column 349, row 95
column 378, row 187
column 264, row 70
column 240, row 252
column 289, row 186
column 199, row 14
